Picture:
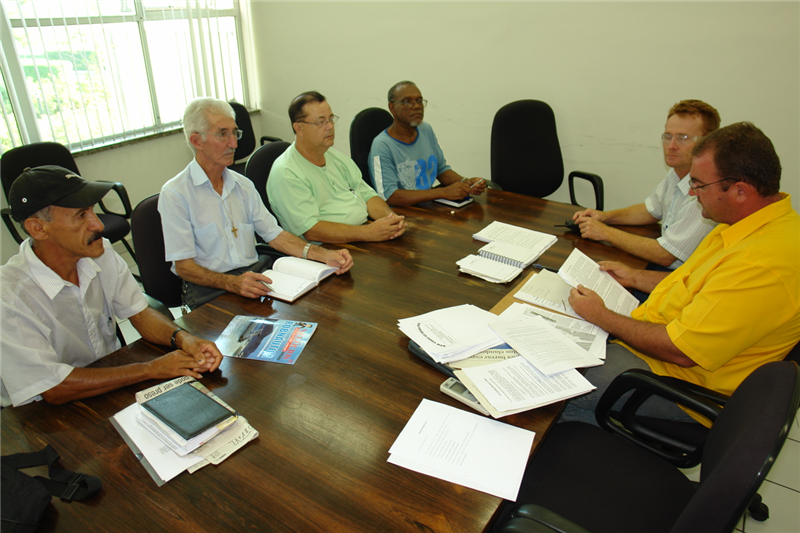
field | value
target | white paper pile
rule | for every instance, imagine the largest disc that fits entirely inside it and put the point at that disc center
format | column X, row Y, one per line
column 452, row 333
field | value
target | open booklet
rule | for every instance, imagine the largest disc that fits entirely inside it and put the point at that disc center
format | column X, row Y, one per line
column 292, row 277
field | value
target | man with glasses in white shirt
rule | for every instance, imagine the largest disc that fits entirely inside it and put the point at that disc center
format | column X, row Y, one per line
column 317, row 192
column 210, row 216
column 682, row 225
column 405, row 160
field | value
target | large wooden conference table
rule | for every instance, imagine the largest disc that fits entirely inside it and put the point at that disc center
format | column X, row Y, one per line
column 326, row 423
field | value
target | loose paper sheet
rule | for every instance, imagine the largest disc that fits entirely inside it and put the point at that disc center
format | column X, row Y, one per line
column 464, row 448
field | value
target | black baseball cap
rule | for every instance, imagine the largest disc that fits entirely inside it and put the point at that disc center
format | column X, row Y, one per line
column 37, row 188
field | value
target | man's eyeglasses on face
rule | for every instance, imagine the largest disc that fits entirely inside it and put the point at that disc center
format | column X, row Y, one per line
column 324, row 122
column 693, row 183
column 224, row 135
column 411, row 103
column 680, row 138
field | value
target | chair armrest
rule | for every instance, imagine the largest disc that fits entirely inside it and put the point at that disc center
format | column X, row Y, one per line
column 9, row 221
column 267, row 138
column 263, row 248
column 532, row 518
column 628, row 425
column 597, row 184
column 123, row 197
column 158, row 306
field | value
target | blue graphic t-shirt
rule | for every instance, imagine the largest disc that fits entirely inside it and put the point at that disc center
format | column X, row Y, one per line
column 397, row 165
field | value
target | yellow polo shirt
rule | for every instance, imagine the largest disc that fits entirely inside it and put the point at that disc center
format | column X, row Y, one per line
column 735, row 304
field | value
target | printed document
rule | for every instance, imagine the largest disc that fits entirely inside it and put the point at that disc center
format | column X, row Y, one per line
column 514, row 385
column 547, row 289
column 579, row 269
column 585, row 334
column 464, row 448
column 548, row 349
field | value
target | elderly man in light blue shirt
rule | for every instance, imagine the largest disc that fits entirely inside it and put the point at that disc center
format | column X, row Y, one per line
column 210, row 216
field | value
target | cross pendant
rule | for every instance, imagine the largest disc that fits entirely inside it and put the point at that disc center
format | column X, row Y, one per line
column 234, row 231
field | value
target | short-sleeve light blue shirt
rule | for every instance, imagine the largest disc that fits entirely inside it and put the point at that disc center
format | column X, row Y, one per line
column 198, row 223
column 412, row 166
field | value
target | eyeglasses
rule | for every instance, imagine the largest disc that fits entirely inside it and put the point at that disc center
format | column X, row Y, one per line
column 324, row 122
column 693, row 183
column 681, row 138
column 411, row 103
column 224, row 135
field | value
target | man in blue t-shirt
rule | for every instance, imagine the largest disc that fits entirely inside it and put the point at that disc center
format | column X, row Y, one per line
column 406, row 160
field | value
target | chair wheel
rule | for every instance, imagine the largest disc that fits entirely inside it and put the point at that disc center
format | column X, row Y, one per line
column 758, row 510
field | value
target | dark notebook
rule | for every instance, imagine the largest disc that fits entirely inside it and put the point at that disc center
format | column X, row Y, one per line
column 187, row 411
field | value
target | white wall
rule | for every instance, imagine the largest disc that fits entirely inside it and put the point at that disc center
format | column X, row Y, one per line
column 609, row 70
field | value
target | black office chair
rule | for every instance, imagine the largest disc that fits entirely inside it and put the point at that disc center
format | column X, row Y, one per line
column 248, row 141
column 15, row 161
column 526, row 155
column 585, row 479
column 158, row 280
column 679, row 443
column 259, row 165
column 366, row 125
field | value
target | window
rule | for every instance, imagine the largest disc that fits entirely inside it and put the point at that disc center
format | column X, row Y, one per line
column 87, row 73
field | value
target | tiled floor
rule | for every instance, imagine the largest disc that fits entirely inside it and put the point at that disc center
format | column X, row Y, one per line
column 781, row 491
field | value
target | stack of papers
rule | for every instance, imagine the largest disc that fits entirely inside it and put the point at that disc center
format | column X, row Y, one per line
column 523, row 359
column 163, row 451
column 452, row 333
column 464, row 448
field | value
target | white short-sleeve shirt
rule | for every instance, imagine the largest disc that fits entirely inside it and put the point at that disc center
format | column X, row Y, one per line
column 51, row 326
column 682, row 222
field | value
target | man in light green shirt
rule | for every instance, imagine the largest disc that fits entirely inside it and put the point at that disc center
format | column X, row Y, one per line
column 317, row 192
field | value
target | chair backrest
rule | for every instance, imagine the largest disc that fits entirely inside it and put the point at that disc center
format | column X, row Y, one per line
column 742, row 446
column 525, row 154
column 148, row 240
column 248, row 141
column 366, row 125
column 259, row 165
column 14, row 161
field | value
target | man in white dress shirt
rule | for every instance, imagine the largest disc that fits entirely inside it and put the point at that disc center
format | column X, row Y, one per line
column 60, row 295
column 210, row 216
column 682, row 225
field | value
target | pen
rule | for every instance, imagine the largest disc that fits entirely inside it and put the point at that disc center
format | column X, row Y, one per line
column 267, row 285
column 477, row 183
column 542, row 267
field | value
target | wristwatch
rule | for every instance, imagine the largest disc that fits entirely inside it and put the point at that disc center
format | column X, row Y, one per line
column 173, row 340
column 305, row 251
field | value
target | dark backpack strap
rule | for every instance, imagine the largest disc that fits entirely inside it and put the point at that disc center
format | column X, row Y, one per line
column 65, row 484
column 46, row 456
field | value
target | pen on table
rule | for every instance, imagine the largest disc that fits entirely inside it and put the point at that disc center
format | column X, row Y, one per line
column 542, row 267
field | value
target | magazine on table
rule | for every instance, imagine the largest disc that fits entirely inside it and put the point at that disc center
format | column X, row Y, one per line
column 265, row 339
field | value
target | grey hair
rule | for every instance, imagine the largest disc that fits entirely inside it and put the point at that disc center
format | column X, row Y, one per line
column 196, row 114
column 45, row 213
column 397, row 86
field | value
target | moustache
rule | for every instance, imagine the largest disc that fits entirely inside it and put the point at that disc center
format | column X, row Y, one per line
column 96, row 236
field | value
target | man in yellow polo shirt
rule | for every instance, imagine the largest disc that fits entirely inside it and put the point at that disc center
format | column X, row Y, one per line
column 734, row 305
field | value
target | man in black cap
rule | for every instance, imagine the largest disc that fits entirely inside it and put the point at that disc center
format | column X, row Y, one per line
column 60, row 296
